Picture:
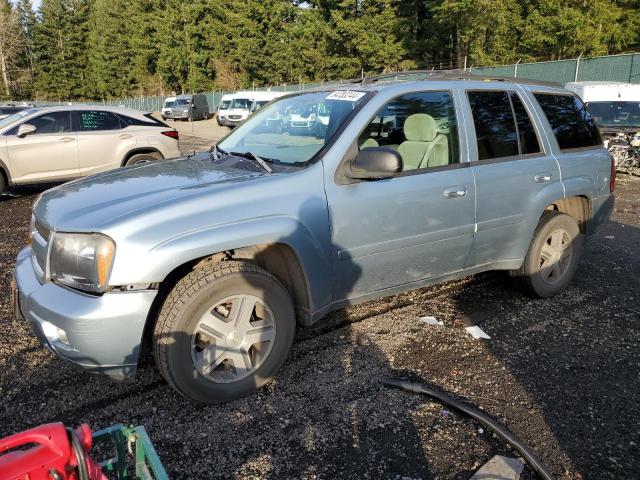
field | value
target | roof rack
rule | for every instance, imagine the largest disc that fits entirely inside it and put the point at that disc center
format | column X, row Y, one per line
column 456, row 74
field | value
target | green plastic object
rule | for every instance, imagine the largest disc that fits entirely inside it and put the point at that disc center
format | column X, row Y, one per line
column 135, row 458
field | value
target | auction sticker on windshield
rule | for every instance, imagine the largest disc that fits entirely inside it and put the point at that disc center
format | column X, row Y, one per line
column 346, row 95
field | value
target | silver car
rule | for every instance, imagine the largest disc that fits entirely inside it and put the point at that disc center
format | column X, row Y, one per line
column 219, row 257
column 52, row 144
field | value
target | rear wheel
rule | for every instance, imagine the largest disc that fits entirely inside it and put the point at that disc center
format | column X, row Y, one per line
column 3, row 183
column 140, row 158
column 223, row 332
column 553, row 255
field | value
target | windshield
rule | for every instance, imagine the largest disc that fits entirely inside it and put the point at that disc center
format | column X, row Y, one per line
column 616, row 114
column 183, row 101
column 169, row 104
column 15, row 117
column 224, row 105
column 243, row 103
column 273, row 134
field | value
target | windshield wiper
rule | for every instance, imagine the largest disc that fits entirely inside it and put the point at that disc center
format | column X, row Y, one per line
column 253, row 156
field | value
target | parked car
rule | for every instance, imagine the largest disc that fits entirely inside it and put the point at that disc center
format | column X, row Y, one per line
column 413, row 183
column 190, row 107
column 223, row 107
column 52, row 144
column 615, row 105
column 168, row 104
column 7, row 110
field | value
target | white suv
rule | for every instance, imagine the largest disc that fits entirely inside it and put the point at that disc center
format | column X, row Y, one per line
column 51, row 144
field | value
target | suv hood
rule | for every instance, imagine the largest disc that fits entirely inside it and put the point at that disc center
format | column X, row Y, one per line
column 95, row 202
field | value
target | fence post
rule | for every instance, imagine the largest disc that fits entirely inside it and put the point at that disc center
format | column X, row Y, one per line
column 515, row 70
column 575, row 78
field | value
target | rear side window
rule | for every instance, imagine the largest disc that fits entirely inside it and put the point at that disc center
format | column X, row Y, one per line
column 494, row 123
column 97, row 120
column 570, row 120
column 150, row 121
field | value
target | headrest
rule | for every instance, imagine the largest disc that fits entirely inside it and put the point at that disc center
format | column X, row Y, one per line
column 368, row 143
column 420, row 127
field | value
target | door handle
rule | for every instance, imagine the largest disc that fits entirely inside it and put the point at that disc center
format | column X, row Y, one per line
column 455, row 192
column 542, row 178
column 67, row 139
column 125, row 135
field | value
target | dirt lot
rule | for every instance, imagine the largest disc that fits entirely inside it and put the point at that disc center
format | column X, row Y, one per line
column 561, row 373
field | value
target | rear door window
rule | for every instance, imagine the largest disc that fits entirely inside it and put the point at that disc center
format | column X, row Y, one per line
column 570, row 120
column 97, row 120
column 494, row 123
column 526, row 131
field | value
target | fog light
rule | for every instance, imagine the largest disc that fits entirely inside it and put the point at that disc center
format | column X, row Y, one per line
column 54, row 334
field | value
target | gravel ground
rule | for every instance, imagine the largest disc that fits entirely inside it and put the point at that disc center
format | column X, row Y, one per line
column 561, row 373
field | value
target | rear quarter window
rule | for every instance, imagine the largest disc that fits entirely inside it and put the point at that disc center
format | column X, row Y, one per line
column 570, row 120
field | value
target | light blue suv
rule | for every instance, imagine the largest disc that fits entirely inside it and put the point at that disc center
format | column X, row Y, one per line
column 215, row 258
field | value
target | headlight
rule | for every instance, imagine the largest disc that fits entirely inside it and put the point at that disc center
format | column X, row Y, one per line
column 81, row 260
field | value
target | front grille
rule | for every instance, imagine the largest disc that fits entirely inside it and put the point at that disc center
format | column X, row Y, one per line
column 234, row 117
column 42, row 230
column 40, row 245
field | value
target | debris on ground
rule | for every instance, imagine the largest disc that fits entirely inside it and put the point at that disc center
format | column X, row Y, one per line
column 476, row 332
column 431, row 321
column 500, row 468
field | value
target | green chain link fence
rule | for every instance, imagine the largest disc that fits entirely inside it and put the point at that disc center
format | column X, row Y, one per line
column 612, row 68
column 615, row 68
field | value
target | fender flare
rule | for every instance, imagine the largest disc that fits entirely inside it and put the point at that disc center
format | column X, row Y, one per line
column 172, row 253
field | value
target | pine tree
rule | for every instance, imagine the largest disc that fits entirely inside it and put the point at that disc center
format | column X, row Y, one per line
column 60, row 43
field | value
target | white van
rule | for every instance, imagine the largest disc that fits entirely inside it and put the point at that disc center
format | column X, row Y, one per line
column 168, row 104
column 223, row 107
column 260, row 99
column 246, row 102
column 615, row 105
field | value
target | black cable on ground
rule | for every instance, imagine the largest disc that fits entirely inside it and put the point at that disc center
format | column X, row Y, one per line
column 478, row 415
column 81, row 458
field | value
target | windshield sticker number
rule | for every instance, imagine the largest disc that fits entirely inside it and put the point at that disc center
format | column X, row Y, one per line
column 346, row 95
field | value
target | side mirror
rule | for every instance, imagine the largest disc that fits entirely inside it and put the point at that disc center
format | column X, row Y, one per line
column 26, row 129
column 375, row 163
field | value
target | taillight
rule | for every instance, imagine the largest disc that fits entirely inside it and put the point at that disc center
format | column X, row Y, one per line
column 172, row 134
column 612, row 181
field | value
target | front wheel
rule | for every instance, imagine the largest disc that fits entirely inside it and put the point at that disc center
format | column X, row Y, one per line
column 223, row 332
column 553, row 255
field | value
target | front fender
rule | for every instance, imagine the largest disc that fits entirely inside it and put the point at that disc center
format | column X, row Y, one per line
column 136, row 267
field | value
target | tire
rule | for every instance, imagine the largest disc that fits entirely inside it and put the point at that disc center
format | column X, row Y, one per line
column 140, row 158
column 188, row 336
column 557, row 243
column 3, row 183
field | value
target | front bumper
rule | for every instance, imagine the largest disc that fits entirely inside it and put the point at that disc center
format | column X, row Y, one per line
column 180, row 115
column 104, row 332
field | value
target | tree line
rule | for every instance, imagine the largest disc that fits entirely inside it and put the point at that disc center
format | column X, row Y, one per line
column 105, row 49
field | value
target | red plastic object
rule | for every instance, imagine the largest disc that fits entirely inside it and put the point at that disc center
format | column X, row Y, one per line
column 52, row 457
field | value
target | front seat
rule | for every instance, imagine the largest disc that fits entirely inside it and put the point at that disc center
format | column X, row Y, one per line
column 420, row 130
